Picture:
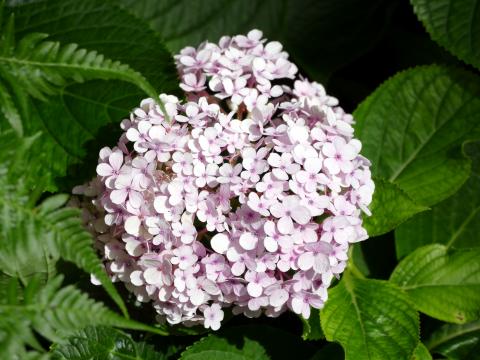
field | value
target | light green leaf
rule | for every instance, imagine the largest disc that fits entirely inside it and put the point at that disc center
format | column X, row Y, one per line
column 456, row 342
column 413, row 126
column 9, row 110
column 55, row 312
column 249, row 342
column 190, row 22
column 33, row 237
column 455, row 222
column 371, row 319
column 421, row 353
column 390, row 207
column 101, row 342
column 454, row 24
column 442, row 283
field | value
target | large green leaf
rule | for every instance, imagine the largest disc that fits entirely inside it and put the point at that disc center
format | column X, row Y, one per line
column 455, row 222
column 390, row 207
column 456, row 342
column 249, row 342
column 443, row 283
column 337, row 32
column 454, row 24
column 412, row 129
column 371, row 319
column 101, row 26
column 100, row 343
column 74, row 123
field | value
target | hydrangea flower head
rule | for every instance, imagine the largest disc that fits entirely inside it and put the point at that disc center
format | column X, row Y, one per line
column 245, row 196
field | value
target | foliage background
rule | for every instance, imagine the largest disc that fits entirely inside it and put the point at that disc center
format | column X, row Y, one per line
column 408, row 72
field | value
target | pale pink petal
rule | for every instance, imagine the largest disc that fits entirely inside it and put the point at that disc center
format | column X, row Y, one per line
column 132, row 225
column 220, row 243
column 329, row 150
column 248, row 241
column 297, row 305
column 313, row 165
column 104, row 169
column 285, row 225
column 306, row 261
column 332, row 165
column 197, row 297
column 270, row 244
column 278, row 297
column 136, row 278
column 118, row 196
column 254, row 289
column 152, row 276
column 301, row 215
column 116, row 160
column 321, row 264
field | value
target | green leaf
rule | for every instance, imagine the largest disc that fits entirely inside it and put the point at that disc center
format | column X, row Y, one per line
column 34, row 237
column 101, row 342
column 421, row 353
column 311, row 326
column 90, row 111
column 10, row 111
column 413, row 126
column 101, row 26
column 442, row 283
column 390, row 207
column 190, row 22
column 330, row 351
column 40, row 67
column 455, row 222
column 55, row 312
column 412, row 129
column 454, row 24
column 248, row 342
column 217, row 348
column 456, row 342
column 371, row 319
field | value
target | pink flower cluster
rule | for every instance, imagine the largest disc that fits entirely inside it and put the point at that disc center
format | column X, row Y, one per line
column 245, row 196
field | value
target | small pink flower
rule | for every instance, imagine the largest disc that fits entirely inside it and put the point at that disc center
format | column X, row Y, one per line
column 289, row 210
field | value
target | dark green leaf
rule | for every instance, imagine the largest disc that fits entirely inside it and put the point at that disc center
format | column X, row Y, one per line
column 330, row 351
column 442, row 283
column 99, row 343
column 371, row 319
column 455, row 222
column 311, row 326
column 456, row 342
column 103, row 27
column 454, row 24
column 249, row 342
column 86, row 109
column 338, row 32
